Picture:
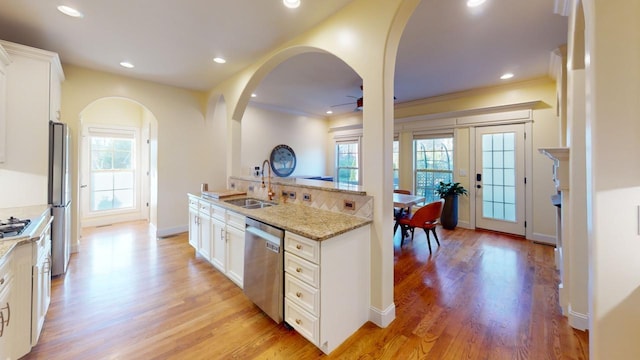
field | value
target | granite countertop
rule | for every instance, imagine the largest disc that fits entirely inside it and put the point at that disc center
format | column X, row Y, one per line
column 315, row 224
column 39, row 214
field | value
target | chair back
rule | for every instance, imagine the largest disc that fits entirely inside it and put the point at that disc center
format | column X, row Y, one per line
column 428, row 214
column 400, row 191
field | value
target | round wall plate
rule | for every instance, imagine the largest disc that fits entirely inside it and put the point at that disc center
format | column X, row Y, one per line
column 283, row 160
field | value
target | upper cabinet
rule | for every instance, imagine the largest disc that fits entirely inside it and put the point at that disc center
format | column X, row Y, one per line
column 4, row 62
column 32, row 99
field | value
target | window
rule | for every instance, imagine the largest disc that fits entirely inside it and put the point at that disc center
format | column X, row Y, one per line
column 112, row 176
column 396, row 163
column 347, row 162
column 433, row 158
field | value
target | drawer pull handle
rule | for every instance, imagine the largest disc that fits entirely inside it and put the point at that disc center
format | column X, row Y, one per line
column 299, row 247
column 298, row 321
column 299, row 294
column 1, row 281
column 4, row 323
column 299, row 270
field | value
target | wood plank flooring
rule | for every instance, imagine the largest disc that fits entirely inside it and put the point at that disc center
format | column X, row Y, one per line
column 481, row 295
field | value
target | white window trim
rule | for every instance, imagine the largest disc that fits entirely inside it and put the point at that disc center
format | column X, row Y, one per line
column 345, row 139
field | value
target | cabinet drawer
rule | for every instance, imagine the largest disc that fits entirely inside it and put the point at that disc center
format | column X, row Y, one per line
column 236, row 220
column 205, row 208
column 303, row 247
column 193, row 203
column 218, row 213
column 303, row 295
column 302, row 269
column 304, row 323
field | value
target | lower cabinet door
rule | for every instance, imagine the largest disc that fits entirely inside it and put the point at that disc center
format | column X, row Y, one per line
column 235, row 258
column 219, row 250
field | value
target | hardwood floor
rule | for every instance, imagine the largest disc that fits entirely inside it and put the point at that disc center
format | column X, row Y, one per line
column 480, row 295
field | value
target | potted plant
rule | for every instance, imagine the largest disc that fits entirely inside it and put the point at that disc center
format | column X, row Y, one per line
column 450, row 192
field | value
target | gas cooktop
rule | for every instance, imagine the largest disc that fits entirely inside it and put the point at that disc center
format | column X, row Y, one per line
column 12, row 227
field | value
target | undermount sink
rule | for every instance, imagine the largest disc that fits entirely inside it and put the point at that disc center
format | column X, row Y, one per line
column 250, row 203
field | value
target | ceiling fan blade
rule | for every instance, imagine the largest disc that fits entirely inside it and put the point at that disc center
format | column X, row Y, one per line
column 349, row 103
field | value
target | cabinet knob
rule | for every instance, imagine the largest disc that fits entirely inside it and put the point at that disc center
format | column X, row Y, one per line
column 299, row 294
column 298, row 269
column 299, row 247
column 298, row 321
column 1, row 281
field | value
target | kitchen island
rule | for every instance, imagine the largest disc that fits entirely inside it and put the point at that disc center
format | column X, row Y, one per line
column 326, row 261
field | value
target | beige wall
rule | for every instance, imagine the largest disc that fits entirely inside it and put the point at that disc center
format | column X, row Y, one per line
column 613, row 173
column 182, row 138
column 263, row 129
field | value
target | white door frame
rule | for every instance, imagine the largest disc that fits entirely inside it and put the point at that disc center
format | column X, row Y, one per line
column 528, row 158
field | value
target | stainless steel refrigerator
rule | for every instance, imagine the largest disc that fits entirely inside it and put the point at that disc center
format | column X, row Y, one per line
column 59, row 197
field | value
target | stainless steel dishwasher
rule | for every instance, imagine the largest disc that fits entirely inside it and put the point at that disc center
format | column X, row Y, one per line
column 263, row 267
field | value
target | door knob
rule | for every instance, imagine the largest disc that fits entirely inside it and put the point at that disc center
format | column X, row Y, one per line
column 83, row 186
column 478, row 186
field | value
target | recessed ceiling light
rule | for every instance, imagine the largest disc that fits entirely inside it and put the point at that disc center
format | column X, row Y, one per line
column 253, row 95
column 70, row 11
column 506, row 76
column 329, row 112
column 219, row 60
column 474, row 3
column 291, row 4
column 127, row 64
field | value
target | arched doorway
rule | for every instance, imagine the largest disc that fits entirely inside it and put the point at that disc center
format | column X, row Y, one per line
column 117, row 162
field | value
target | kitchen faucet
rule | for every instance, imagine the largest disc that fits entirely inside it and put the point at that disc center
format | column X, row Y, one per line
column 269, row 190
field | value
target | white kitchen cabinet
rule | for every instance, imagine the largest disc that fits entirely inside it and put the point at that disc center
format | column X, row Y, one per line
column 4, row 62
column 326, row 286
column 194, row 226
column 219, row 250
column 205, row 238
column 32, row 90
column 7, row 309
column 41, row 282
column 218, row 235
column 23, row 266
column 235, row 247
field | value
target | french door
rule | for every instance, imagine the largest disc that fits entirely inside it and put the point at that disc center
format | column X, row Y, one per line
column 500, row 178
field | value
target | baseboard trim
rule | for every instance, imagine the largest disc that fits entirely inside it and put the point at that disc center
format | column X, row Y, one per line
column 171, row 231
column 382, row 318
column 465, row 225
column 543, row 239
column 578, row 320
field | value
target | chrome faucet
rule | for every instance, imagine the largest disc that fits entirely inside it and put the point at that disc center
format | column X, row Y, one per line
column 269, row 190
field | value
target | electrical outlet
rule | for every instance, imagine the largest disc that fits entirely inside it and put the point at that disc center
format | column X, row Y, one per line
column 292, row 195
column 285, row 194
column 306, row 197
column 232, row 186
column 250, row 188
column 256, row 171
column 349, row 205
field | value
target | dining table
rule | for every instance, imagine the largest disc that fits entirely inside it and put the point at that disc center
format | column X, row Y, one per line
column 404, row 202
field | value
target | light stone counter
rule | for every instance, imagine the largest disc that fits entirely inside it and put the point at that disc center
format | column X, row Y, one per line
column 312, row 223
column 39, row 215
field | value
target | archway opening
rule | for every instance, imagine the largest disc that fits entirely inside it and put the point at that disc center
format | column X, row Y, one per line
column 117, row 150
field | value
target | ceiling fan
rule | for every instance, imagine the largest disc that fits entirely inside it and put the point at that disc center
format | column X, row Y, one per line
column 359, row 101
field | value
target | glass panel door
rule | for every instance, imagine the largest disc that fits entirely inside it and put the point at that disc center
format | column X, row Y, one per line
column 500, row 192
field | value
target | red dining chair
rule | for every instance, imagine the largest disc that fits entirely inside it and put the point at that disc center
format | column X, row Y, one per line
column 400, row 212
column 427, row 218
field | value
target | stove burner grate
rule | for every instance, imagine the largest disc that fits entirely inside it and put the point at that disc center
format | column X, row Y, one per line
column 12, row 227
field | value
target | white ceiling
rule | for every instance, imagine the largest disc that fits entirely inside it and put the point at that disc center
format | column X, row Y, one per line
column 445, row 47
